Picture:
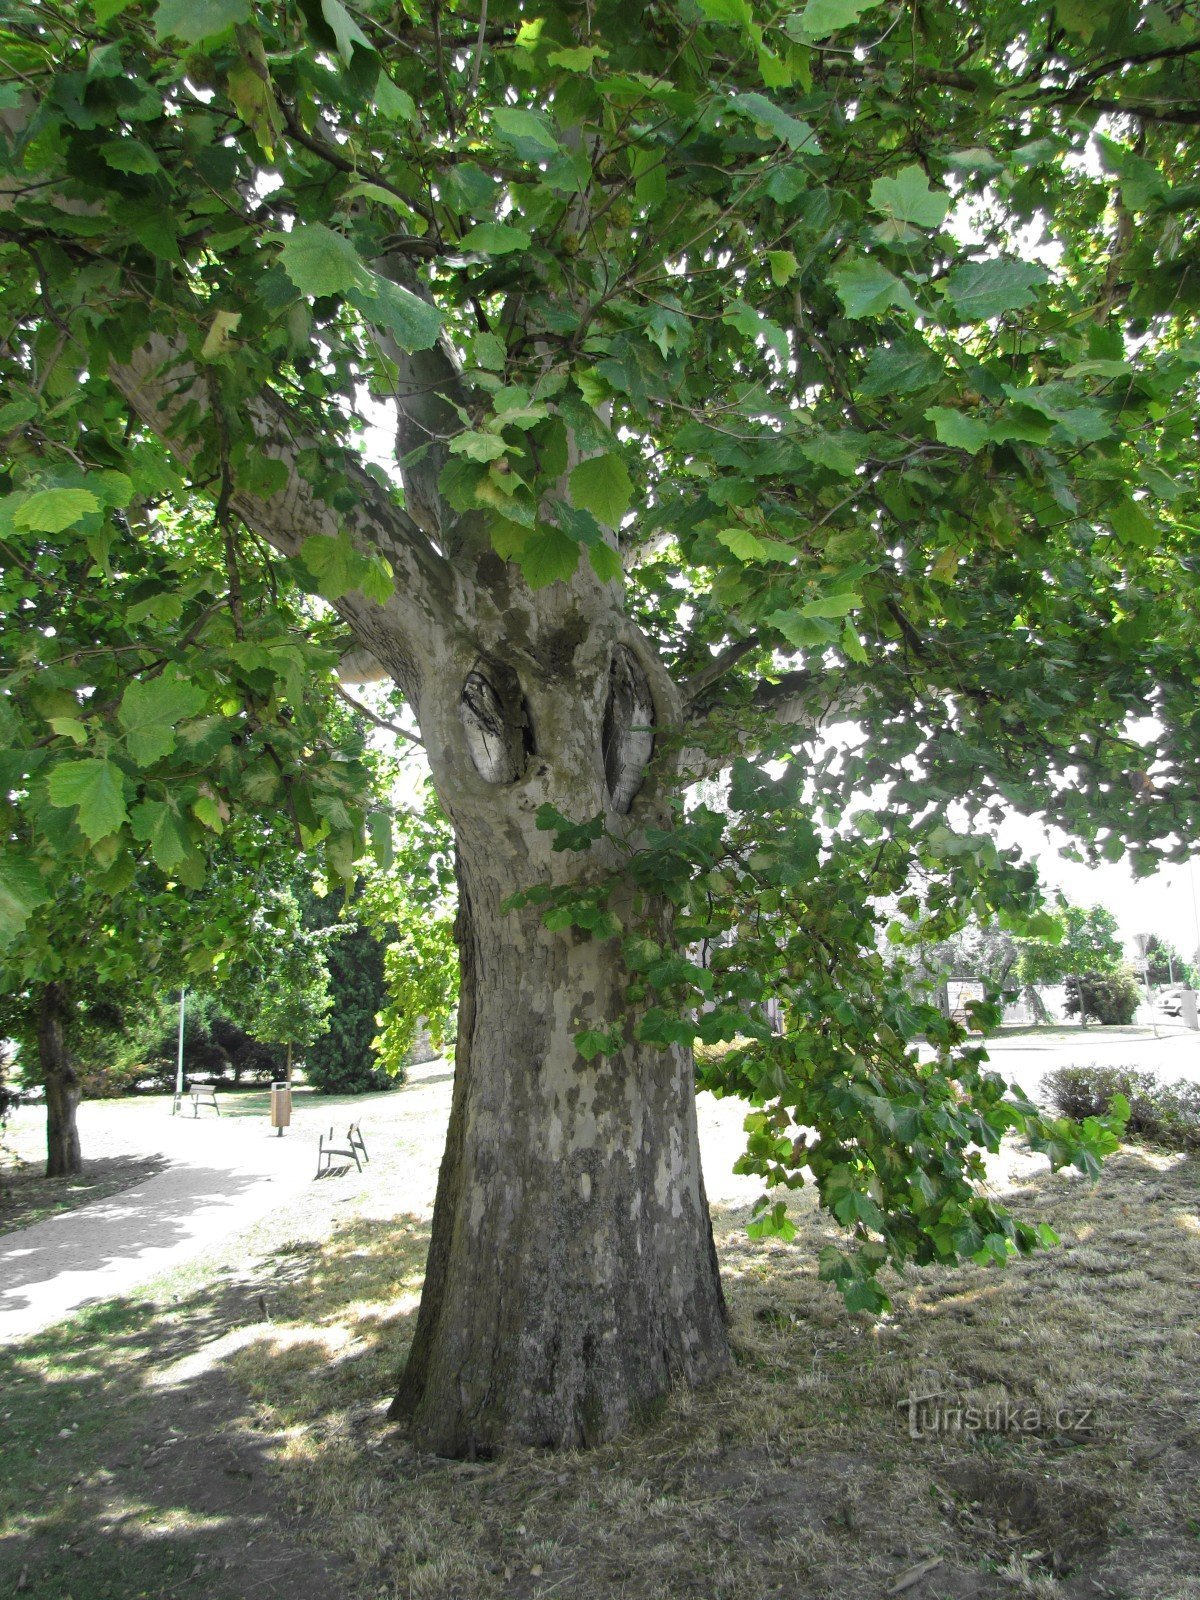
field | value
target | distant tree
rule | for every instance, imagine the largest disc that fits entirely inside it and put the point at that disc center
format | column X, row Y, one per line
column 987, row 953
column 276, row 981
column 1164, row 964
column 344, row 1059
column 991, row 954
column 412, row 907
column 1088, row 946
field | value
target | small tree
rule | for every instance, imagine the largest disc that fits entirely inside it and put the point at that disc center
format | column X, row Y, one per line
column 1164, row 964
column 344, row 1059
column 1088, row 946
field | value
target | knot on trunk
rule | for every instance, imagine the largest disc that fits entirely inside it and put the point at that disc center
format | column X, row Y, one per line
column 496, row 721
column 627, row 736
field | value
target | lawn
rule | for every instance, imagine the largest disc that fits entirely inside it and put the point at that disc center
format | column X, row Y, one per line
column 225, row 1433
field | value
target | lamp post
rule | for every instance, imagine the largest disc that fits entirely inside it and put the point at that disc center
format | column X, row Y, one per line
column 178, row 1101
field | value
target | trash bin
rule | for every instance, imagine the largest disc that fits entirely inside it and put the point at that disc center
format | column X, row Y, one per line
column 281, row 1106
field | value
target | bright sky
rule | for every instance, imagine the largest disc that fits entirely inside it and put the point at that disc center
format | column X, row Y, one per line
column 1167, row 904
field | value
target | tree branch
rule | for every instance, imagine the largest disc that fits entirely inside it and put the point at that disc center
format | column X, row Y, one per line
column 712, row 671
column 380, row 722
column 160, row 380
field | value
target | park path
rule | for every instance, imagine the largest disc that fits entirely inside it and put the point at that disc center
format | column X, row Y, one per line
column 221, row 1176
column 224, row 1175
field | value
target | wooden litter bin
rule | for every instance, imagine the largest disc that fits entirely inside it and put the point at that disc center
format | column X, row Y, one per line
column 281, row 1107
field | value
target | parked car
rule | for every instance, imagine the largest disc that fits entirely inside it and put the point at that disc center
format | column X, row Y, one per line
column 1171, row 1001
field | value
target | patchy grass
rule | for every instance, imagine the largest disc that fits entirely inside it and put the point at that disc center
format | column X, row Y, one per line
column 28, row 1196
column 196, row 1426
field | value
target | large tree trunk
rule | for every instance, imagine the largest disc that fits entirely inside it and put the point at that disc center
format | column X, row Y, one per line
column 572, row 1278
column 63, row 1092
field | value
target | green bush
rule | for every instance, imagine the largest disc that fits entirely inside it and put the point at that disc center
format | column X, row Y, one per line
column 1163, row 1113
column 1109, row 998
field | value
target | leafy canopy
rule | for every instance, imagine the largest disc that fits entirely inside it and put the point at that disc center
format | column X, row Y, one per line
column 859, row 349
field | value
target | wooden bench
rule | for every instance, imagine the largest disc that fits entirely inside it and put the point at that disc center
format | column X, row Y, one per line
column 353, row 1148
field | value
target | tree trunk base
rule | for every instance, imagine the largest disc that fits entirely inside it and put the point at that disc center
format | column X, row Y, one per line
column 572, row 1279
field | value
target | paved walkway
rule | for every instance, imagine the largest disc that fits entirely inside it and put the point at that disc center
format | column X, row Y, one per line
column 223, row 1176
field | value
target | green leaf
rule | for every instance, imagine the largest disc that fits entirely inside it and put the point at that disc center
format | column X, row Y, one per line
column 1128, row 520
column 379, row 825
column 832, row 605
column 347, row 34
column 840, row 453
column 980, row 290
column 602, row 485
column 649, row 169
column 592, row 1042
column 334, row 563
column 158, row 824
column 129, row 155
column 783, row 265
column 495, row 239
column 527, row 132
column 320, row 262
column 867, row 289
column 70, row 728
column 477, row 445
column 746, row 546
column 820, row 18
column 17, row 413
column 852, row 645
column 959, row 430
column 909, row 197
column 803, row 632
column 94, row 788
column 606, row 562
column 218, row 341
column 394, row 103
column 580, row 58
column 412, row 321
column 899, row 368
column 765, row 113
column 735, row 13
column 22, row 891
column 150, row 711
column 53, row 510
column 547, row 556
column 193, row 20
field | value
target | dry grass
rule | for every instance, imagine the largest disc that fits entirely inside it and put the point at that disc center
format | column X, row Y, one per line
column 797, row 1475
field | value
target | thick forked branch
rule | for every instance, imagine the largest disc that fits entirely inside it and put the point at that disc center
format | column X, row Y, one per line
column 159, row 380
column 804, row 701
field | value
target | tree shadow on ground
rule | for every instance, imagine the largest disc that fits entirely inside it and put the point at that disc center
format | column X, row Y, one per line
column 27, row 1195
column 236, row 1443
column 137, row 1467
column 87, row 1241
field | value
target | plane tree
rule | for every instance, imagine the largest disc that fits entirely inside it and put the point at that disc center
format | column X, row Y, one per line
column 805, row 397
